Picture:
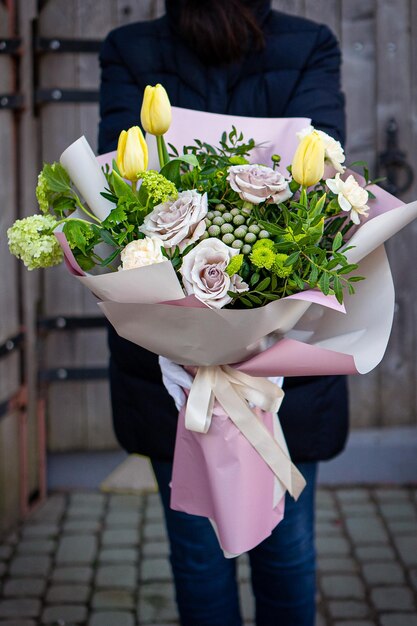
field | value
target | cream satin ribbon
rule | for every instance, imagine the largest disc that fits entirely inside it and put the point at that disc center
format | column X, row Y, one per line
column 234, row 390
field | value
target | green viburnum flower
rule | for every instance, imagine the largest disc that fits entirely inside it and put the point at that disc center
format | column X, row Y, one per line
column 263, row 243
column 32, row 240
column 262, row 257
column 279, row 268
column 43, row 193
column 235, row 264
column 159, row 188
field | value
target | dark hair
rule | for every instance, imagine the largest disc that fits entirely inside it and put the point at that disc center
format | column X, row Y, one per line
column 219, row 31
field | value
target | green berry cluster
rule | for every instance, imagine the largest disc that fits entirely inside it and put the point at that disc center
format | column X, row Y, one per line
column 235, row 227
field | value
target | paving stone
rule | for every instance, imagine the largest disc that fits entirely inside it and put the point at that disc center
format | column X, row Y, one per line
column 83, row 498
column 40, row 530
column 82, row 526
column 327, row 529
column 68, row 594
column 155, row 569
column 358, row 509
column 155, row 548
column 43, row 546
column 366, row 530
column 76, row 549
column 72, row 574
column 113, row 599
column 154, row 531
column 353, row 495
column 398, row 510
column 126, row 502
column 355, row 623
column 27, row 566
column 392, row 599
column 5, row 552
column 20, row 607
column 157, row 603
column 243, row 569
column 154, row 514
column 65, row 613
column 348, row 609
column 407, row 547
column 51, row 511
column 342, row 586
column 330, row 564
column 123, row 518
column 111, row 618
column 17, row 622
column 398, row 619
column 374, row 553
column 327, row 515
column 247, row 601
column 391, row 494
column 119, row 555
column 332, row 546
column 116, row 576
column 120, row 537
column 324, row 499
column 84, row 512
column 402, row 527
column 24, row 587
column 383, row 573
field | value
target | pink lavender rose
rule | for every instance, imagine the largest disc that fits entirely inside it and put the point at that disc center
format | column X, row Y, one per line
column 258, row 183
column 178, row 222
column 205, row 276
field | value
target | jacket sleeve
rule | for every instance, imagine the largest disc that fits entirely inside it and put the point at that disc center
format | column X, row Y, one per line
column 318, row 92
column 120, row 96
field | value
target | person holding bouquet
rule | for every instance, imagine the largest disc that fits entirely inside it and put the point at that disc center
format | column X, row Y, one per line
column 240, row 58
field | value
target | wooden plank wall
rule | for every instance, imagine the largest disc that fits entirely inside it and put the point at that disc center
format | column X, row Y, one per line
column 379, row 47
column 9, row 321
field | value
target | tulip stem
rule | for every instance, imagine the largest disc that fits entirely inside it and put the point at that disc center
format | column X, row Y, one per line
column 162, row 151
column 81, row 206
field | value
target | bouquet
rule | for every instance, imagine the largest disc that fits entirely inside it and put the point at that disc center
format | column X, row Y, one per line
column 236, row 259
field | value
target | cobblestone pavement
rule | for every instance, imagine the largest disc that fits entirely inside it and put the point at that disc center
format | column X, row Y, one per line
column 101, row 560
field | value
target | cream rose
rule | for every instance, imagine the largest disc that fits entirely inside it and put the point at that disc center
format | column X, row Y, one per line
column 333, row 151
column 179, row 222
column 142, row 252
column 258, row 183
column 204, row 273
column 350, row 196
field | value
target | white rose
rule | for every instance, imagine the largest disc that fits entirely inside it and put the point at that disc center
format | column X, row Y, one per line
column 258, row 183
column 204, row 273
column 350, row 196
column 179, row 222
column 142, row 252
column 333, row 151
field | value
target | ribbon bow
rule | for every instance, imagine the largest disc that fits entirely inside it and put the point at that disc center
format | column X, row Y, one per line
column 234, row 390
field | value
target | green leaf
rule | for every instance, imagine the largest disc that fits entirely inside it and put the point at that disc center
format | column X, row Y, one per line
column 337, row 287
column 85, row 262
column 115, row 217
column 292, row 258
column 314, row 274
column 355, row 279
column 324, row 283
column 110, row 258
column 254, row 298
column 56, row 177
column 337, row 242
column 254, row 279
column 121, row 188
column 246, row 302
column 78, row 234
column 264, row 284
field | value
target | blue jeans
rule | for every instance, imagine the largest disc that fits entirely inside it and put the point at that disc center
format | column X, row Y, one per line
column 282, row 566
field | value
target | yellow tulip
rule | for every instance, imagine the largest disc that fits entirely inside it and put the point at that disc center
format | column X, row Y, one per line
column 308, row 162
column 155, row 114
column 132, row 153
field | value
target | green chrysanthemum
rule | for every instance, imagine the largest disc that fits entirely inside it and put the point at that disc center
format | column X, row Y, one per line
column 279, row 268
column 235, row 264
column 263, row 243
column 159, row 188
column 262, row 257
column 32, row 240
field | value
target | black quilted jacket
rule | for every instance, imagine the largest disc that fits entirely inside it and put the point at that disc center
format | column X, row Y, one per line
column 297, row 74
